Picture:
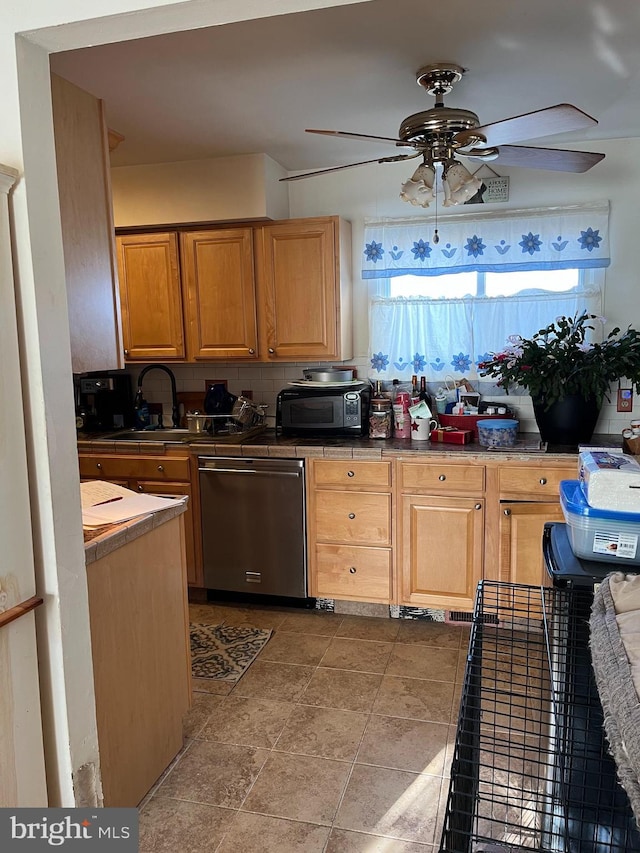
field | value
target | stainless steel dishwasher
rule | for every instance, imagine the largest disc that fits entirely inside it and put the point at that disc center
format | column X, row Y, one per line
column 253, row 525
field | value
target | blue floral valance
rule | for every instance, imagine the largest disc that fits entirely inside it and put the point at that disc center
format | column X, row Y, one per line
column 575, row 237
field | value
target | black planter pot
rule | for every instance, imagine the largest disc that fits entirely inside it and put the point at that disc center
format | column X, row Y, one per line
column 569, row 421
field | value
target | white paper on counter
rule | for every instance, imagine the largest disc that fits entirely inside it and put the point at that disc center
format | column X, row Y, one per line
column 129, row 504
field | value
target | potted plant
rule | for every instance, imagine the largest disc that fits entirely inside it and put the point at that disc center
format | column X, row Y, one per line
column 567, row 376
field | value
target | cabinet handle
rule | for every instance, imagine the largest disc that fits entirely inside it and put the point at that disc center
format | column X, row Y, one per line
column 507, row 512
column 442, row 477
column 140, row 488
column 352, row 515
column 351, row 473
column 543, row 481
column 271, row 351
column 161, row 468
column 98, row 464
column 251, row 351
column 352, row 570
column 126, row 352
column 478, row 506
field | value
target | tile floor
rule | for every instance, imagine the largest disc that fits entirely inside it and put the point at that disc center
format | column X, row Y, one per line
column 338, row 739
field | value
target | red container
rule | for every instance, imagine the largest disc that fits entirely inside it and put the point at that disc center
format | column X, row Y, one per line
column 451, row 436
column 465, row 422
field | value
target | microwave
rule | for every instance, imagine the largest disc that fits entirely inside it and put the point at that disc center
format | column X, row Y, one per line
column 317, row 411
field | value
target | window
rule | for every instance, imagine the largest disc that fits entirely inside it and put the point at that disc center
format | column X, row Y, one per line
column 459, row 285
column 441, row 308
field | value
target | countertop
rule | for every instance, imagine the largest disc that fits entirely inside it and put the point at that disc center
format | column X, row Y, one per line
column 268, row 443
column 102, row 541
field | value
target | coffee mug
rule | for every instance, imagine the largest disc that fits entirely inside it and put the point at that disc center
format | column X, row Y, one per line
column 421, row 428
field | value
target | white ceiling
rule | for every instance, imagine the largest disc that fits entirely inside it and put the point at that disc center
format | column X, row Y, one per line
column 255, row 86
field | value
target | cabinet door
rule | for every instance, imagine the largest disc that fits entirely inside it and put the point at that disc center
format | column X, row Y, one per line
column 521, row 526
column 151, row 298
column 153, row 487
column 441, row 550
column 298, row 301
column 84, row 189
column 220, row 301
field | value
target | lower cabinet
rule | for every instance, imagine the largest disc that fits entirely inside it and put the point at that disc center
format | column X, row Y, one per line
column 350, row 530
column 521, row 527
column 159, row 475
column 441, row 541
column 440, row 516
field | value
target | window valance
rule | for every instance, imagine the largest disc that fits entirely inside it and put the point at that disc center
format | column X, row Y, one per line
column 575, row 237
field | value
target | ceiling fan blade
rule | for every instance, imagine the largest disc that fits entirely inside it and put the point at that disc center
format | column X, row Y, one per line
column 553, row 159
column 343, row 134
column 395, row 159
column 546, row 122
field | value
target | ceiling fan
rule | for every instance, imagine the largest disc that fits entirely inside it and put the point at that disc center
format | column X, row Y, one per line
column 440, row 133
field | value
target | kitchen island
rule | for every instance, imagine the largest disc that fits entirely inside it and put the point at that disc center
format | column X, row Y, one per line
column 141, row 660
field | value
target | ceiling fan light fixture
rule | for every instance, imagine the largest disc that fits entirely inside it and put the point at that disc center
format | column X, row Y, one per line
column 458, row 183
column 417, row 193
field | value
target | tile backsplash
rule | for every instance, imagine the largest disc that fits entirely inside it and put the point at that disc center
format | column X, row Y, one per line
column 265, row 380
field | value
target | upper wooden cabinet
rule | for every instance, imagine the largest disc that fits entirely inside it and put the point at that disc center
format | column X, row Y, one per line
column 277, row 292
column 304, row 307
column 84, row 190
column 151, row 297
column 219, row 294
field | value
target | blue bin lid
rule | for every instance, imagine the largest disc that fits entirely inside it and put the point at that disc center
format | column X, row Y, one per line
column 498, row 423
column 573, row 498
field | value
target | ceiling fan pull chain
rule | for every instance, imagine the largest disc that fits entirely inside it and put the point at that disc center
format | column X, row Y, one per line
column 436, row 238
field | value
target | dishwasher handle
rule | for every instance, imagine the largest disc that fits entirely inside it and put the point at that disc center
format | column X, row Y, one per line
column 252, row 471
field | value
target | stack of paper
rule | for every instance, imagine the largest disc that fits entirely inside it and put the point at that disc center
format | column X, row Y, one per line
column 107, row 503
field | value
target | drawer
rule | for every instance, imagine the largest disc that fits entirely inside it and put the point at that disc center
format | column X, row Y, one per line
column 134, row 468
column 350, row 474
column 357, row 574
column 354, row 518
column 533, row 483
column 442, row 478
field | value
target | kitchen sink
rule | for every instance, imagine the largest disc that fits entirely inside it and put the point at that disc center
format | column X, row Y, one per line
column 150, row 435
column 177, row 436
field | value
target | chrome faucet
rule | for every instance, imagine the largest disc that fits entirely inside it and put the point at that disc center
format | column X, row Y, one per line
column 175, row 414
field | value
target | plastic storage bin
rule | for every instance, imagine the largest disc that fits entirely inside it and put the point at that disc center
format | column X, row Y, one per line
column 603, row 535
column 501, row 432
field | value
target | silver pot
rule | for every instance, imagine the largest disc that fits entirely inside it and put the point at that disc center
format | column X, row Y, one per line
column 334, row 375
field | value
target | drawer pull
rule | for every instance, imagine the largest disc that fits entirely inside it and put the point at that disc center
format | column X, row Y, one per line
column 351, row 473
column 478, row 506
column 161, row 468
column 543, row 481
column 442, row 477
column 352, row 515
column 140, row 488
column 352, row 570
column 507, row 512
column 98, row 464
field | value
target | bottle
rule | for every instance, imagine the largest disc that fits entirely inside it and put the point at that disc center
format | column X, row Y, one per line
column 401, row 419
column 415, row 391
column 141, row 409
column 423, row 393
column 380, row 414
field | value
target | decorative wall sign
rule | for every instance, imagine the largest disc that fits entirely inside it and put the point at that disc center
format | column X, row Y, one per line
column 497, row 189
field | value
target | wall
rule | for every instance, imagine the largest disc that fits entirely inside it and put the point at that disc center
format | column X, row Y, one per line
column 224, row 189
column 46, row 508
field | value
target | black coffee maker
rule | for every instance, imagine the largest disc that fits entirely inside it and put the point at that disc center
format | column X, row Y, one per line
column 104, row 401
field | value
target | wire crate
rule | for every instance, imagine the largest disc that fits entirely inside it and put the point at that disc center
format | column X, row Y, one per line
column 531, row 769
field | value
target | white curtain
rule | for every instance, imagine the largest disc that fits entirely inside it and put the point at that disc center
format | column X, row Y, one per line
column 575, row 237
column 435, row 337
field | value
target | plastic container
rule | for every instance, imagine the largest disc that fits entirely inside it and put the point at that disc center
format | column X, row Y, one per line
column 498, row 432
column 602, row 535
